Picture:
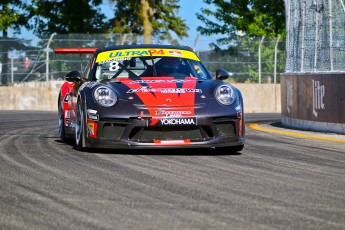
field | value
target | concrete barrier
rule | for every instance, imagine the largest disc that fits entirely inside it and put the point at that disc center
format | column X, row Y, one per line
column 15, row 98
column 258, row 98
column 314, row 101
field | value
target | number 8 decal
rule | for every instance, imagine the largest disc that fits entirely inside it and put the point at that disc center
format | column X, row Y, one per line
column 114, row 66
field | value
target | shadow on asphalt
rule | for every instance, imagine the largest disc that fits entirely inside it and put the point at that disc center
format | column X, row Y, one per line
column 172, row 151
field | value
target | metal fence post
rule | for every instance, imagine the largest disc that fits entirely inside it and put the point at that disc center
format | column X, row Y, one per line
column 316, row 19
column 330, row 35
column 303, row 35
column 275, row 59
column 262, row 40
column 12, row 78
column 47, row 56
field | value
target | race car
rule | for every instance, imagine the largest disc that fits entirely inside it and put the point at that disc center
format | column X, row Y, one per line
column 149, row 96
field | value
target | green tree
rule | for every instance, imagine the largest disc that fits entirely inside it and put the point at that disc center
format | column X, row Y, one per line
column 157, row 18
column 250, row 17
column 66, row 16
column 12, row 16
column 267, row 57
column 242, row 23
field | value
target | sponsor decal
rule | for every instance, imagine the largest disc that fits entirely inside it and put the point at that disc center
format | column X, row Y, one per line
column 199, row 71
column 318, row 94
column 148, row 89
column 288, row 96
column 144, row 52
column 158, row 98
column 172, row 113
column 133, row 53
column 178, row 121
column 238, row 108
column 91, row 129
column 158, row 81
column 117, row 59
column 172, row 142
column 175, row 53
column 67, row 114
column 141, row 89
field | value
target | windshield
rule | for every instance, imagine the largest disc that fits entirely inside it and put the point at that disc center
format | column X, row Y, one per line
column 140, row 65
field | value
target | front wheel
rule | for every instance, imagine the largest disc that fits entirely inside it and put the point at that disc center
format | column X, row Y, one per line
column 238, row 148
column 62, row 133
column 80, row 128
column 229, row 150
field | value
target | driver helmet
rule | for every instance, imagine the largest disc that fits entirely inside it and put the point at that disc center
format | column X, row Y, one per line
column 168, row 65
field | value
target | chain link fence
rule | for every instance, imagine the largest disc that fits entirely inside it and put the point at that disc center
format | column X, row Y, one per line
column 249, row 60
column 315, row 35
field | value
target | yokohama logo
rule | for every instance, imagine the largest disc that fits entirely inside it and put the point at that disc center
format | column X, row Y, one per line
column 177, row 121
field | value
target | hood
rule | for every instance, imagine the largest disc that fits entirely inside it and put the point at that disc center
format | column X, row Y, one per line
column 163, row 91
column 164, row 96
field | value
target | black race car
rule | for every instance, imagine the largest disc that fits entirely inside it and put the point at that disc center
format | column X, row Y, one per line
column 149, row 96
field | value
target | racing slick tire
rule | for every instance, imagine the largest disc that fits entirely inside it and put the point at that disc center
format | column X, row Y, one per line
column 229, row 150
column 61, row 122
column 237, row 148
column 80, row 128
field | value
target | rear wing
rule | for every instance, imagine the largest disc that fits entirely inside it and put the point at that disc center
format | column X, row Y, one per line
column 79, row 51
column 74, row 50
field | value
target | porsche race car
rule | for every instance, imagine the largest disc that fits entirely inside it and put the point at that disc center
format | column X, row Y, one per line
column 149, row 96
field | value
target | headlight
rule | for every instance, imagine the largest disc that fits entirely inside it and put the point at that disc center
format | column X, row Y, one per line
column 225, row 94
column 105, row 96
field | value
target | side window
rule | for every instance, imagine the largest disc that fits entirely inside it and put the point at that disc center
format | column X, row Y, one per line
column 199, row 70
column 104, row 71
column 98, row 72
column 114, row 68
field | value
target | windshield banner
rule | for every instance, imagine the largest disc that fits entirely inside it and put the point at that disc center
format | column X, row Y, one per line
column 128, row 53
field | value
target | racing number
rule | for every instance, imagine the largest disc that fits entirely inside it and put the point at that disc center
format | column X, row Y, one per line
column 114, row 66
column 67, row 97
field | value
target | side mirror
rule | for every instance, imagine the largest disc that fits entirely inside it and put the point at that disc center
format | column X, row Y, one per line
column 73, row 76
column 222, row 74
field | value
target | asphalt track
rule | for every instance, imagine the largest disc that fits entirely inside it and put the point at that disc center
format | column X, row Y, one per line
column 283, row 179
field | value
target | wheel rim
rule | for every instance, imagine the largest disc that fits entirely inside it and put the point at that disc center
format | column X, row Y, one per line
column 78, row 127
column 61, row 120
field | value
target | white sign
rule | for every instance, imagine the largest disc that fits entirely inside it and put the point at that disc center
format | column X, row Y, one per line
column 318, row 94
column 288, row 96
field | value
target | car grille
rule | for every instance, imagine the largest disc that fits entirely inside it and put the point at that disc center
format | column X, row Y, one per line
column 113, row 131
column 171, row 133
column 223, row 128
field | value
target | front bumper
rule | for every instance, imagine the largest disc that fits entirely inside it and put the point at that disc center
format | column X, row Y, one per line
column 131, row 133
